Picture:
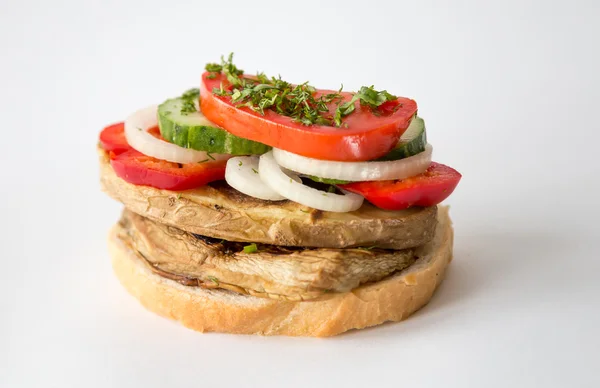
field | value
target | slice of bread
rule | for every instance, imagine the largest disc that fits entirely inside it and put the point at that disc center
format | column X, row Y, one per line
column 391, row 299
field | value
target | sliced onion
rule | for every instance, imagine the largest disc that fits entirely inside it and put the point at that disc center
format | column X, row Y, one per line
column 276, row 179
column 136, row 132
column 356, row 171
column 242, row 174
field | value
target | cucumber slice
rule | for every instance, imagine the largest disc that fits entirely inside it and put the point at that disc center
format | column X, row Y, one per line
column 181, row 122
column 327, row 180
column 412, row 141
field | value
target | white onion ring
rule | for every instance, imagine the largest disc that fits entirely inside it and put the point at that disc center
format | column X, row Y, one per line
column 356, row 171
column 136, row 133
column 242, row 174
column 274, row 177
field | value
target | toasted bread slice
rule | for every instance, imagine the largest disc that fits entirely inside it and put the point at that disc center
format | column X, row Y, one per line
column 391, row 299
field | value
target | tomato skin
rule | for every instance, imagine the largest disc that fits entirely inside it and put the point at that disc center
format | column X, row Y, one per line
column 427, row 189
column 367, row 136
column 139, row 169
column 112, row 138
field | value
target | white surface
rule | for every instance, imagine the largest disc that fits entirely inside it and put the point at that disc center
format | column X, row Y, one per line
column 510, row 93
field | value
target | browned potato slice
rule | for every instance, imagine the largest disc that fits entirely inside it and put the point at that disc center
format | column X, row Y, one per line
column 271, row 271
column 219, row 211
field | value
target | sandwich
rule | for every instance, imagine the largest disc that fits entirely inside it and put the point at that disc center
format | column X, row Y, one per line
column 254, row 205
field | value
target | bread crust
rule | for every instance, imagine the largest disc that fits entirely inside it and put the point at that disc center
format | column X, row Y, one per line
column 392, row 299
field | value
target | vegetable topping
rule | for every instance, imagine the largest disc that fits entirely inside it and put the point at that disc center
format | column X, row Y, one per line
column 426, row 189
column 364, row 145
column 183, row 124
column 136, row 132
column 322, row 124
column 139, row 169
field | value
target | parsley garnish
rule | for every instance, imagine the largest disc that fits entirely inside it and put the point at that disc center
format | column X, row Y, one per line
column 213, row 279
column 213, row 67
column 367, row 96
column 298, row 102
column 252, row 248
column 240, row 163
column 188, row 101
column 253, row 169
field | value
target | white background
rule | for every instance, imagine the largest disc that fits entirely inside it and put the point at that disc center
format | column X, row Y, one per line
column 510, row 94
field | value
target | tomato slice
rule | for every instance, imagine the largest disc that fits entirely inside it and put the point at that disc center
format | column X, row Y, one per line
column 426, row 189
column 367, row 136
column 112, row 138
column 139, row 169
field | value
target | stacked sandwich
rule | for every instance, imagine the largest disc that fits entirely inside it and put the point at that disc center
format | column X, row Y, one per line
column 253, row 205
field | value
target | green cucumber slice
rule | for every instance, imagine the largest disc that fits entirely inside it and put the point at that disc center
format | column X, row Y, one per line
column 412, row 141
column 327, row 180
column 181, row 123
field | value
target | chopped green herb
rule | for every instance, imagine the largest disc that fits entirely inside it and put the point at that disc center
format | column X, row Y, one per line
column 298, row 102
column 189, row 99
column 252, row 248
column 253, row 169
column 240, row 163
column 213, row 279
column 367, row 96
column 305, row 211
column 178, row 195
column 210, row 156
column 139, row 129
column 203, row 161
column 373, row 98
column 213, row 67
column 192, row 93
column 220, row 91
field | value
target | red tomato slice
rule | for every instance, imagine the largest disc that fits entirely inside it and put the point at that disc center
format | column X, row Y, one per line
column 139, row 169
column 426, row 189
column 366, row 137
column 113, row 138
